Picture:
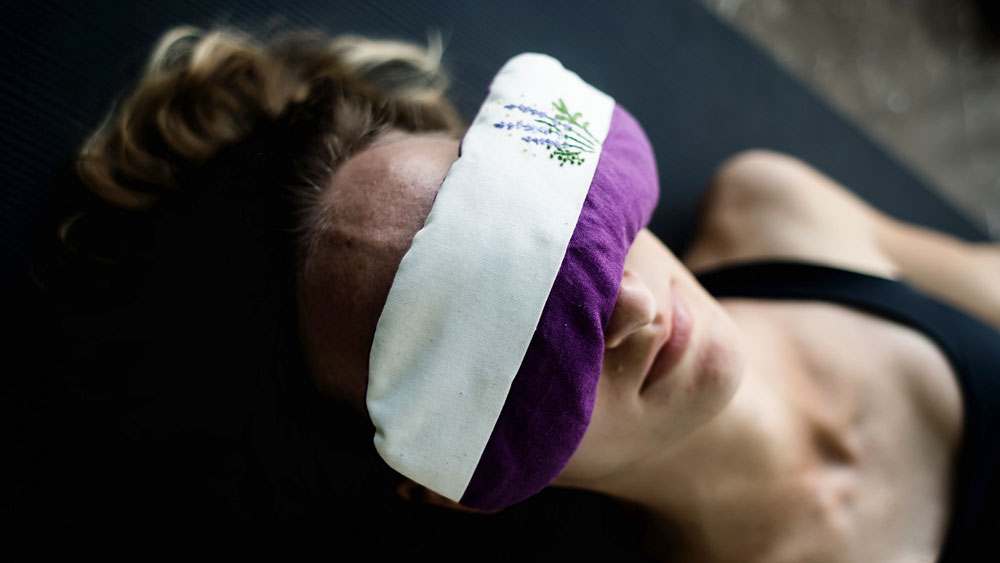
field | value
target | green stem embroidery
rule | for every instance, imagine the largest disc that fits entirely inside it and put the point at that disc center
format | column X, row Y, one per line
column 565, row 115
column 587, row 145
column 588, row 148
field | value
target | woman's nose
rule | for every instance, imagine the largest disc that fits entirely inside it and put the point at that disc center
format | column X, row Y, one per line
column 634, row 309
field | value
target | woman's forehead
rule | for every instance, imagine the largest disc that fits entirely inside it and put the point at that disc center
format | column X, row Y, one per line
column 384, row 193
column 395, row 172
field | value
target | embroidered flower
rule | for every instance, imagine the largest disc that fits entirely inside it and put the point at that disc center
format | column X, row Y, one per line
column 562, row 134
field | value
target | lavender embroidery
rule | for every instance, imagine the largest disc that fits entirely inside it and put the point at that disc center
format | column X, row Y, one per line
column 562, row 133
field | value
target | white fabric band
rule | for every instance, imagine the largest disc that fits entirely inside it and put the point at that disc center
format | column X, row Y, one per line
column 469, row 292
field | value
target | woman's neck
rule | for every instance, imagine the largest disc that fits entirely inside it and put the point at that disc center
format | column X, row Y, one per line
column 697, row 495
column 732, row 488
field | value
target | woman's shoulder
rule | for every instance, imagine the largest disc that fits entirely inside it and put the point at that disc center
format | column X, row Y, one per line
column 766, row 205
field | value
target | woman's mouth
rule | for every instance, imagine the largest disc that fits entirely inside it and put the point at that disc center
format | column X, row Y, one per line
column 672, row 350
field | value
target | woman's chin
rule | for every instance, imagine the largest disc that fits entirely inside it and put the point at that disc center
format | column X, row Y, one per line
column 708, row 377
column 719, row 361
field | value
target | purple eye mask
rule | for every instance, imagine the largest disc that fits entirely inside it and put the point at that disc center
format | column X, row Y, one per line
column 484, row 367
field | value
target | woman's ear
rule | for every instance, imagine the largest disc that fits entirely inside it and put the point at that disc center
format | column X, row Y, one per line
column 410, row 491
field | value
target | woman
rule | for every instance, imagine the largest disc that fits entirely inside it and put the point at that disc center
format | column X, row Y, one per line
column 763, row 441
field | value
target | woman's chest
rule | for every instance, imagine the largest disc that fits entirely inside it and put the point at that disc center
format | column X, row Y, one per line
column 858, row 374
column 871, row 419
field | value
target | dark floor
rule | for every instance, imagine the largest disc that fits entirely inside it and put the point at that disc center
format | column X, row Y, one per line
column 920, row 76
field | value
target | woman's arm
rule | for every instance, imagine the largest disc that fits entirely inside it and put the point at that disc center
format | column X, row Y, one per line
column 965, row 274
column 764, row 203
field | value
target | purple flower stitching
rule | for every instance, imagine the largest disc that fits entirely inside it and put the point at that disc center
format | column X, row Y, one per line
column 541, row 141
column 544, row 130
column 553, row 132
column 527, row 109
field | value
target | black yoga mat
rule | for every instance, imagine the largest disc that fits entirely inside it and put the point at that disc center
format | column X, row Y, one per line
column 701, row 91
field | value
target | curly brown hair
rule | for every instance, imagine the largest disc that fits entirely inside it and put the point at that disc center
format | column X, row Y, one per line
column 204, row 91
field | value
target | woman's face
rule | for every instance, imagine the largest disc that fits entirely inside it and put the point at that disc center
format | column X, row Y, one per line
column 380, row 198
column 647, row 405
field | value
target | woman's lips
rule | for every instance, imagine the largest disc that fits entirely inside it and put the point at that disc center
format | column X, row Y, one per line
column 671, row 351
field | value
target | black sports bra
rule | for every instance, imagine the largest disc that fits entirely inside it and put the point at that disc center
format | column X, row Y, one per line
column 971, row 346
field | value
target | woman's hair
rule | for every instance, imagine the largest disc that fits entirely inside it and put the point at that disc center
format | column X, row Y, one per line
column 168, row 277
column 167, row 271
column 203, row 92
